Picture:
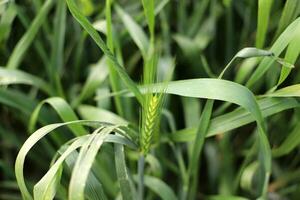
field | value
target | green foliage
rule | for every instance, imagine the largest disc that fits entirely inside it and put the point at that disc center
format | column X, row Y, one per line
column 149, row 99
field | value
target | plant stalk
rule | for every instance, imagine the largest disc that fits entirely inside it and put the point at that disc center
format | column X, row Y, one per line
column 141, row 165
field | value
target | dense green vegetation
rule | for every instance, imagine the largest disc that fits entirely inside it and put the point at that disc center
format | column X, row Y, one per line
column 186, row 99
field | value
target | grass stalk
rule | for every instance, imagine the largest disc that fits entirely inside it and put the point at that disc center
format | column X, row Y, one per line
column 141, row 167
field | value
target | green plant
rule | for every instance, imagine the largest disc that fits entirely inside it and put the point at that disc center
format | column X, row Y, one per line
column 171, row 129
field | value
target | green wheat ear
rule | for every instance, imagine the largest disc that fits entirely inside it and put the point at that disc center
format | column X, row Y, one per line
column 150, row 121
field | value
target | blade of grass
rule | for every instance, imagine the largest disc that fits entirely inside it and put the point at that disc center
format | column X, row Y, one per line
column 159, row 187
column 96, row 37
column 248, row 52
column 114, row 81
column 6, row 21
column 45, row 189
column 94, row 113
column 197, row 16
column 122, row 173
column 203, row 124
column 229, row 30
column 237, row 118
column 20, row 102
column 291, row 56
column 292, row 139
column 12, row 76
column 264, row 12
column 290, row 143
column 136, row 32
column 289, row 91
column 287, row 16
column 182, row 16
column 38, row 45
column 57, row 48
column 97, row 75
column 280, row 44
column 94, row 189
column 26, row 40
column 149, row 12
column 31, row 141
column 121, row 169
column 63, row 109
column 225, row 197
column 84, row 163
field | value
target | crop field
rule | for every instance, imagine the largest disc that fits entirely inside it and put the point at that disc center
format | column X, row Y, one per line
column 149, row 99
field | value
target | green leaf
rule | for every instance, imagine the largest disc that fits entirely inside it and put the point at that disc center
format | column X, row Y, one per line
column 287, row 15
column 252, row 52
column 26, row 40
column 201, row 132
column 248, row 176
column 96, row 37
column 237, row 118
column 6, row 21
column 290, row 142
column 148, row 6
column 97, row 75
column 136, row 32
column 264, row 11
column 280, row 44
column 126, row 185
column 57, row 48
column 160, row 5
column 291, row 56
column 12, row 76
column 100, row 25
column 94, row 188
column 245, row 70
column 112, row 40
column 31, row 141
column 159, row 187
column 225, row 197
column 93, row 113
column 63, row 109
column 289, row 91
column 293, row 139
column 22, row 103
column 208, row 88
column 248, row 52
column 84, row 162
column 44, row 189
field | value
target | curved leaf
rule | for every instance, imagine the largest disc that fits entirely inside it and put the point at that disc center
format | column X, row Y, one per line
column 31, row 141
column 94, row 113
column 11, row 76
column 289, row 91
column 63, row 110
column 84, row 162
column 280, row 44
column 237, row 118
column 159, row 187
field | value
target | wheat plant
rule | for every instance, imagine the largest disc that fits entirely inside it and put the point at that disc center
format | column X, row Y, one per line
column 133, row 100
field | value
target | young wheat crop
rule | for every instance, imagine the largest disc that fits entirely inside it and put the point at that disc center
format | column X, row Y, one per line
column 133, row 100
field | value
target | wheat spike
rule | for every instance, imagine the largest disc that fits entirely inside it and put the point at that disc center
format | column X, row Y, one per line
column 150, row 122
